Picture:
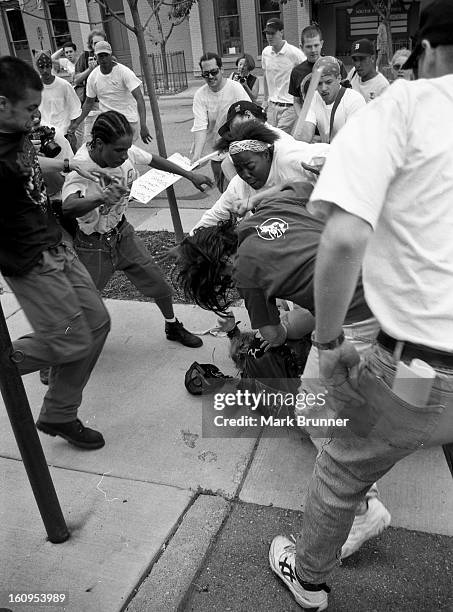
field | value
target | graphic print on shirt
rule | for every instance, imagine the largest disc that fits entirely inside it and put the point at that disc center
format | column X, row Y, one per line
column 272, row 228
column 29, row 168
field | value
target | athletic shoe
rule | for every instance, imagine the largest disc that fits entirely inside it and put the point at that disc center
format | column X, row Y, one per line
column 177, row 332
column 282, row 558
column 366, row 526
column 74, row 432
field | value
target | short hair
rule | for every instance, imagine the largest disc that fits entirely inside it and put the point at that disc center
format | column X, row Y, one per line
column 310, row 32
column 209, row 56
column 70, row 44
column 110, row 126
column 15, row 77
column 92, row 34
column 249, row 61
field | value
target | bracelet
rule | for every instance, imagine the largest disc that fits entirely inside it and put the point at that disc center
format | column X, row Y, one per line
column 328, row 346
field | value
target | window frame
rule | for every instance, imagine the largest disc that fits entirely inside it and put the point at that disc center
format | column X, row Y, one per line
column 55, row 39
column 7, row 27
column 260, row 28
column 218, row 18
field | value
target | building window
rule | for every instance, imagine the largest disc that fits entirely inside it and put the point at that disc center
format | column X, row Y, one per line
column 265, row 9
column 228, row 27
column 17, row 36
column 57, row 22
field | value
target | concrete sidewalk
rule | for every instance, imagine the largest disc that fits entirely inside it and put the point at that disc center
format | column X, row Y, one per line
column 163, row 518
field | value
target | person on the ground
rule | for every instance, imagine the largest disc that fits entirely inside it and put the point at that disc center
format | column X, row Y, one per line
column 277, row 61
column 311, row 43
column 274, row 162
column 68, row 318
column 398, row 60
column 117, row 88
column 244, row 76
column 210, row 106
column 60, row 106
column 397, row 223
column 64, row 61
column 105, row 241
column 273, row 256
column 85, row 65
column 332, row 104
column 364, row 77
column 237, row 113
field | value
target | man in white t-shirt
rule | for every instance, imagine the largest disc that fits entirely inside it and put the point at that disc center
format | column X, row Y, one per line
column 398, row 223
column 278, row 60
column 117, row 88
column 364, row 77
column 330, row 98
column 210, row 106
column 60, row 105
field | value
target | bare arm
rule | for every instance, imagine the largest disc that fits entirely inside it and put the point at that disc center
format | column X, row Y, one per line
column 199, row 140
column 77, row 206
column 305, row 132
column 86, row 108
column 141, row 109
column 160, row 163
column 297, row 105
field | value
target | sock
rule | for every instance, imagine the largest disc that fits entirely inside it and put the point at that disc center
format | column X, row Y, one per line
column 172, row 320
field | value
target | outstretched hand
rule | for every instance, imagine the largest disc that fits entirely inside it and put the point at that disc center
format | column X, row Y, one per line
column 169, row 254
column 201, row 179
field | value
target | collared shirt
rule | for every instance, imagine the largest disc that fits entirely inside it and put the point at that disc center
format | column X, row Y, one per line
column 392, row 166
column 277, row 68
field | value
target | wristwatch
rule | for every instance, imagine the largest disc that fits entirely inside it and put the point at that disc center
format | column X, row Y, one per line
column 66, row 167
column 328, row 346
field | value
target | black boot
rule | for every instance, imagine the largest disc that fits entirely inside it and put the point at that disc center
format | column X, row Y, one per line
column 74, row 432
column 176, row 331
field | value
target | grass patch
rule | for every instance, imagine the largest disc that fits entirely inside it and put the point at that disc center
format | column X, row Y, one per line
column 120, row 287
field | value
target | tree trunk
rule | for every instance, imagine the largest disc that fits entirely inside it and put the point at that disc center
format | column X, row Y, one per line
column 147, row 75
column 163, row 50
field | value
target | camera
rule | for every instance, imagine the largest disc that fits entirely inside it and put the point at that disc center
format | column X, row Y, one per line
column 49, row 148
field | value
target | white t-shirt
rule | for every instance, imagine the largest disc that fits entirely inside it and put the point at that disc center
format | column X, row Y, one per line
column 59, row 105
column 95, row 221
column 277, row 69
column 370, row 89
column 319, row 112
column 210, row 108
column 113, row 90
column 392, row 165
column 285, row 168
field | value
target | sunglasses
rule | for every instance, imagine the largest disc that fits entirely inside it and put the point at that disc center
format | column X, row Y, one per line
column 398, row 66
column 209, row 73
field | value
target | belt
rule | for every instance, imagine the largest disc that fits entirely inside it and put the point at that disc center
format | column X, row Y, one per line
column 410, row 351
column 113, row 232
column 287, row 104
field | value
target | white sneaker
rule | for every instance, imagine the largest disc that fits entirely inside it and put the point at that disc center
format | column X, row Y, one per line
column 282, row 558
column 366, row 526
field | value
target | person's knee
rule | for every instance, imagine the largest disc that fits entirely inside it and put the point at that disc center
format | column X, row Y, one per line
column 70, row 341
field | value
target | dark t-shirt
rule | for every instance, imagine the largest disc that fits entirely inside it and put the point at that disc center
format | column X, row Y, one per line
column 276, row 256
column 27, row 224
column 299, row 78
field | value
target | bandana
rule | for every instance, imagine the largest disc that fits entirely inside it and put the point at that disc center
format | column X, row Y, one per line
column 256, row 146
column 43, row 59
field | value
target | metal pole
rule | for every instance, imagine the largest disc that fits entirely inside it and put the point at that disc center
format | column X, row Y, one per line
column 21, row 418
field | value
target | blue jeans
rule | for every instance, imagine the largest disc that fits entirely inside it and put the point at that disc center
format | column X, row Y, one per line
column 383, row 429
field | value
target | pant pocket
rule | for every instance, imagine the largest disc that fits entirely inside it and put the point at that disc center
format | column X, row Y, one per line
column 401, row 424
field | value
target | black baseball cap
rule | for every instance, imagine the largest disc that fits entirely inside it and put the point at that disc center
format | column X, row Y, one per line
column 273, row 24
column 362, row 48
column 435, row 25
column 239, row 108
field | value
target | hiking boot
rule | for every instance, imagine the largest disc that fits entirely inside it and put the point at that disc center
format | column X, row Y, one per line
column 366, row 526
column 74, row 432
column 44, row 374
column 177, row 332
column 282, row 558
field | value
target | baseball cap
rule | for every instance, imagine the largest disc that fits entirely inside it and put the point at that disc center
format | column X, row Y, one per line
column 273, row 24
column 239, row 108
column 329, row 65
column 435, row 25
column 362, row 48
column 102, row 47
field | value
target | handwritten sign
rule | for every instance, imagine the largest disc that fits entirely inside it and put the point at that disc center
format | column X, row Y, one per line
column 153, row 182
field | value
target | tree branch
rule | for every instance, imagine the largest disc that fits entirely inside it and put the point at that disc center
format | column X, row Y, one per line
column 115, row 16
column 169, row 33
